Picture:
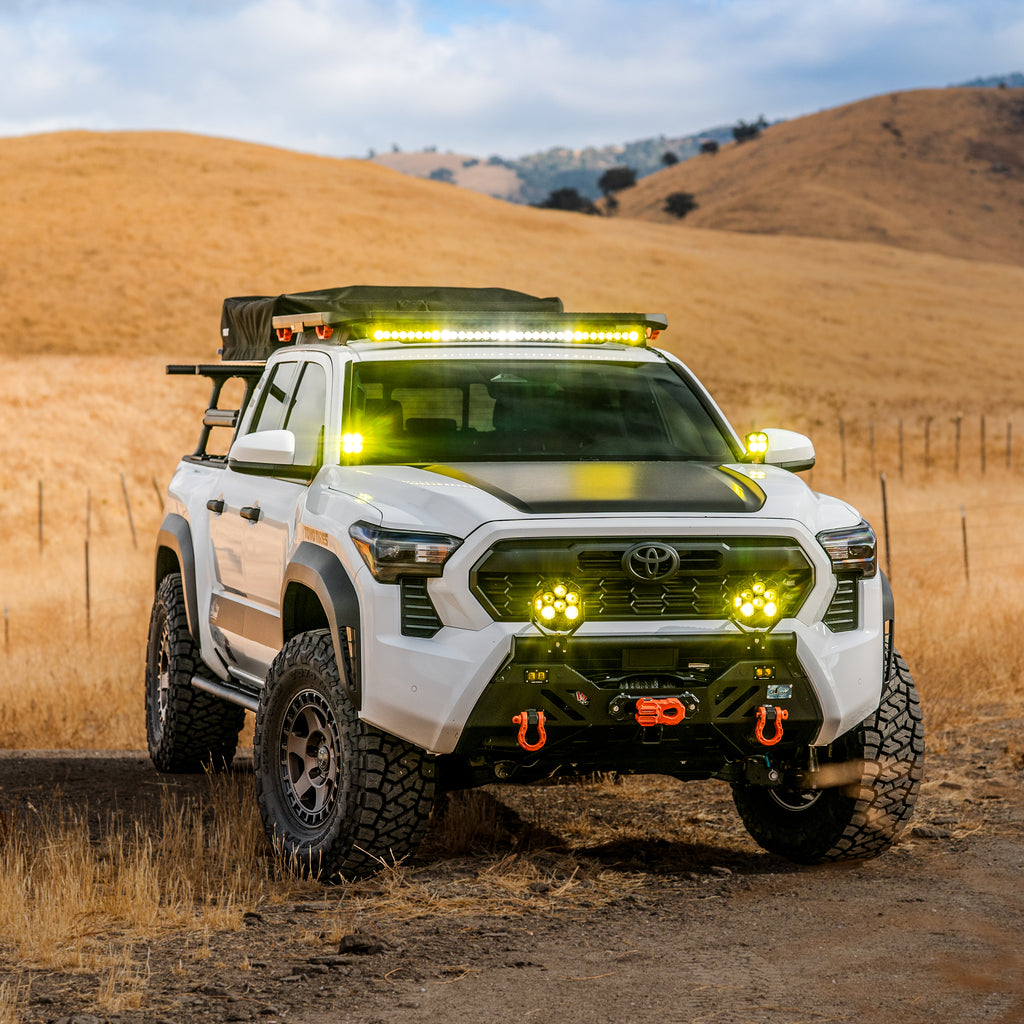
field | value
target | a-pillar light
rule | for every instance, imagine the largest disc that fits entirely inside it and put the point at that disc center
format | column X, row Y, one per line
column 757, row 446
column 756, row 605
column 557, row 607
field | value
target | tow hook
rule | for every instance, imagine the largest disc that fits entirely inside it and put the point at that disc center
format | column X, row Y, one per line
column 529, row 719
column 659, row 711
column 769, row 713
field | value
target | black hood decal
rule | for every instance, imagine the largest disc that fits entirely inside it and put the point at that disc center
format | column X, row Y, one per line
column 563, row 487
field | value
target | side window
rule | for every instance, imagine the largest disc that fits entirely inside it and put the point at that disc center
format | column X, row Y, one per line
column 274, row 400
column 305, row 418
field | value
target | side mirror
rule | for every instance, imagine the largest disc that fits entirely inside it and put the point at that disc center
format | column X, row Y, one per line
column 264, row 448
column 785, row 449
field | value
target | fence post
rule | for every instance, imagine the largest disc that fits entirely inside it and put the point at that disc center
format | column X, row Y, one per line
column 963, row 527
column 885, row 524
column 128, row 506
column 159, row 494
column 983, row 443
column 88, row 596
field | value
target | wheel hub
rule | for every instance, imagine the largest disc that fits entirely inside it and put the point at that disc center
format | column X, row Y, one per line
column 310, row 757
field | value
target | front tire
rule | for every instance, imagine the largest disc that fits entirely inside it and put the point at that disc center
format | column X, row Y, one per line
column 187, row 730
column 864, row 816
column 339, row 795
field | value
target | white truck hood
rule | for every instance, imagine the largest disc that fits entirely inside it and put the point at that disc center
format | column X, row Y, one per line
column 458, row 498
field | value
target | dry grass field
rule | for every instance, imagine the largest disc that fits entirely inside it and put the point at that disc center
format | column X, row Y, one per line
column 116, row 252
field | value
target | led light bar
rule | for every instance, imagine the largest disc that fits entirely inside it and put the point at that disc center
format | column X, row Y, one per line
column 421, row 327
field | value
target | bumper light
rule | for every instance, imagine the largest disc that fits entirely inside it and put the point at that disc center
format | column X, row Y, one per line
column 392, row 553
column 557, row 607
column 755, row 606
column 853, row 549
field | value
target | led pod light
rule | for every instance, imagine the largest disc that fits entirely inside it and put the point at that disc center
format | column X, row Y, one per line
column 756, row 606
column 557, row 607
column 757, row 446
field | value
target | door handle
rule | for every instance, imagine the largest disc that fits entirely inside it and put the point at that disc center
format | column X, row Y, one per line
column 216, row 505
column 250, row 512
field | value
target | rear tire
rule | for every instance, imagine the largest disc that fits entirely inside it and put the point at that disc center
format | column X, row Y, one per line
column 337, row 794
column 864, row 816
column 187, row 730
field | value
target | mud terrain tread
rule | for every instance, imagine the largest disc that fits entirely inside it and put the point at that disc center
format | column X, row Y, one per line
column 863, row 819
column 199, row 731
column 386, row 791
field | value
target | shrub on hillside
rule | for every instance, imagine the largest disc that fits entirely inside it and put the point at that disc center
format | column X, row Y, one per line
column 679, row 204
column 445, row 174
column 743, row 132
column 709, row 146
column 615, row 179
column 567, row 199
column 668, row 158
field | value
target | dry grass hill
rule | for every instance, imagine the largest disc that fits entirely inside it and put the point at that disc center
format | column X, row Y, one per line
column 936, row 170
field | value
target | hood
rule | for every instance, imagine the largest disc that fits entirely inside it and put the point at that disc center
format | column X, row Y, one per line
column 458, row 498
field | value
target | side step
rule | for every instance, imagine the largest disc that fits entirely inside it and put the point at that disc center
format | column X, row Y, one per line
column 233, row 694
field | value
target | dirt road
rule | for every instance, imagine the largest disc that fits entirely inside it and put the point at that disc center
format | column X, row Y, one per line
column 649, row 908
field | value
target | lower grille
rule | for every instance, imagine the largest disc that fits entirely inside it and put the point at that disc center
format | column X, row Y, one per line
column 843, row 614
column 419, row 616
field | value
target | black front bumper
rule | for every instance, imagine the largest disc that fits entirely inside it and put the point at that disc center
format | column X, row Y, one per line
column 588, row 689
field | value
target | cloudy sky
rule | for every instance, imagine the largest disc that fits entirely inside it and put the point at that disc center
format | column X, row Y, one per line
column 510, row 77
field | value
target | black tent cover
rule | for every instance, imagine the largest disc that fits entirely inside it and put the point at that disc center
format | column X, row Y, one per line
column 246, row 322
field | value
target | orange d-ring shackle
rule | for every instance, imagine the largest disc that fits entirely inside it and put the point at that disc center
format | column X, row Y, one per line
column 524, row 720
column 779, row 715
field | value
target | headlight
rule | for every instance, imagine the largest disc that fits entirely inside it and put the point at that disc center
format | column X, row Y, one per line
column 853, row 549
column 392, row 553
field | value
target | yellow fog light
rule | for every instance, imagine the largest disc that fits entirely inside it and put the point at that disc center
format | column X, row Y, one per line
column 557, row 607
column 351, row 444
column 757, row 445
column 755, row 605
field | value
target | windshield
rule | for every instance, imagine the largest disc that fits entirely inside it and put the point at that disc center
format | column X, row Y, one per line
column 427, row 411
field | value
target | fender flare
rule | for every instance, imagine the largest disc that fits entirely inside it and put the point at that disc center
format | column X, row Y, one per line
column 888, row 602
column 321, row 571
column 175, row 536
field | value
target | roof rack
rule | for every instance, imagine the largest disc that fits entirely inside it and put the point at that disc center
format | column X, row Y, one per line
column 423, row 327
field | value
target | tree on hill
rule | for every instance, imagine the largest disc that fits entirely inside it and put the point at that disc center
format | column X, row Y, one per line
column 679, row 204
column 668, row 158
column 445, row 174
column 743, row 132
column 567, row 199
column 615, row 179
column 709, row 146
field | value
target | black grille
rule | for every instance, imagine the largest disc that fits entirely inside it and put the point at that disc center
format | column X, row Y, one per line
column 419, row 616
column 710, row 571
column 843, row 611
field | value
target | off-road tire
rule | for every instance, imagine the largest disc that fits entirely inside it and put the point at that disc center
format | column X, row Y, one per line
column 862, row 818
column 187, row 730
column 337, row 796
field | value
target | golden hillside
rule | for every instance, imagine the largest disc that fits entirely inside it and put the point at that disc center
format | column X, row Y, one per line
column 126, row 243
column 937, row 170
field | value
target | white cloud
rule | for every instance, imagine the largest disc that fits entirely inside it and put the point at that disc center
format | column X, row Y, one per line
column 340, row 77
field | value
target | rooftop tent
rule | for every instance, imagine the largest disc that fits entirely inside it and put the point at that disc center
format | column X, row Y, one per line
column 246, row 322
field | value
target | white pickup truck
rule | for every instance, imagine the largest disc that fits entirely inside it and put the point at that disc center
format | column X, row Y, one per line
column 462, row 536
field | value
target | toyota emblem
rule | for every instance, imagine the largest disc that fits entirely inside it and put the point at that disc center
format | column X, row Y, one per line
column 651, row 562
